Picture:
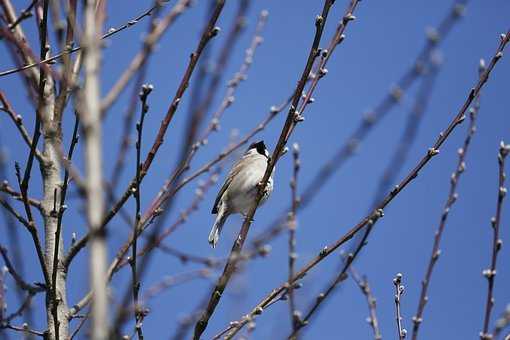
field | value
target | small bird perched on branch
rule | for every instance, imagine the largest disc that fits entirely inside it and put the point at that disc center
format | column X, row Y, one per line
column 241, row 187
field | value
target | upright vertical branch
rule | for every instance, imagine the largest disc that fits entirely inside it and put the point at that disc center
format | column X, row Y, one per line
column 294, row 313
column 146, row 90
column 490, row 273
column 399, row 291
column 450, row 201
column 91, row 117
column 363, row 285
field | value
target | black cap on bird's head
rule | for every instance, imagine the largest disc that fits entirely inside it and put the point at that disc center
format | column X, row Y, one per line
column 260, row 147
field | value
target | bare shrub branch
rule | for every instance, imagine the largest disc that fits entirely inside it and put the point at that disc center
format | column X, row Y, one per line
column 490, row 273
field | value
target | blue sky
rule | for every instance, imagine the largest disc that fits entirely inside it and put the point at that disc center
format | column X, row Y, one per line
column 380, row 45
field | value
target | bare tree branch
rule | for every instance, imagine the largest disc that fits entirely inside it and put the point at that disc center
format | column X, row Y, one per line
column 146, row 90
column 399, row 291
column 110, row 33
column 18, row 121
column 490, row 273
column 292, row 225
column 363, row 285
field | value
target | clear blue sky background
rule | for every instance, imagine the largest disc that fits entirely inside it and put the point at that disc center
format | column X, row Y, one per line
column 380, row 45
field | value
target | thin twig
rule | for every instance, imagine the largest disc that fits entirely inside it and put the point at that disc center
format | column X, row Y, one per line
column 17, row 278
column 292, row 224
column 24, row 14
column 363, row 285
column 18, row 121
column 20, row 49
column 399, row 291
column 80, row 324
column 490, row 273
column 6, row 188
column 21, row 309
column 110, row 33
column 172, row 281
column 185, row 257
column 12, row 234
column 372, row 218
column 149, row 42
column 144, row 93
column 8, row 207
column 450, row 201
column 23, row 329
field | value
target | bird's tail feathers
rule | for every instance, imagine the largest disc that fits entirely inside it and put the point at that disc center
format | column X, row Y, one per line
column 214, row 235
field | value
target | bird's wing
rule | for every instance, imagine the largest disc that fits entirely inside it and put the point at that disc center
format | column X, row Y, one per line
column 233, row 172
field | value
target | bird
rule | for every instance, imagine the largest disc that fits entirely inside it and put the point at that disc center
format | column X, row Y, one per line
column 241, row 187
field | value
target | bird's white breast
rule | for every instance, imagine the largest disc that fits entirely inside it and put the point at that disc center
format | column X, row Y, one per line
column 243, row 189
